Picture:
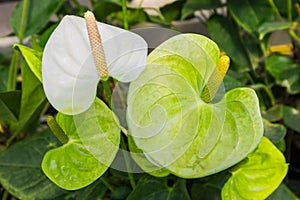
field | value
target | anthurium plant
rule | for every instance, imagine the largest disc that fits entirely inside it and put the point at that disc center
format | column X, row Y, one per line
column 172, row 116
column 126, row 119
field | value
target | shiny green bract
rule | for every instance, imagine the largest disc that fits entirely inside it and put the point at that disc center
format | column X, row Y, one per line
column 74, row 165
column 258, row 176
column 174, row 128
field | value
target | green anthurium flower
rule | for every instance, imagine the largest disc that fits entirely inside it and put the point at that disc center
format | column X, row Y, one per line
column 80, row 52
column 91, row 142
column 179, row 116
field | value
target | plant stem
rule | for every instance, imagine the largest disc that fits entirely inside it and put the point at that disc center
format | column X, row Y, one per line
column 5, row 195
column 14, row 65
column 141, row 3
column 23, row 20
column 123, row 144
column 289, row 10
column 92, row 2
column 106, row 87
column 294, row 36
column 275, row 9
column 127, row 162
column 104, row 181
column 125, row 16
column 13, row 71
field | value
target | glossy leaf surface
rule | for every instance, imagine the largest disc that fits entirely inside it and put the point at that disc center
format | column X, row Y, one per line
column 33, row 99
column 33, row 59
column 94, row 137
column 20, row 168
column 258, row 175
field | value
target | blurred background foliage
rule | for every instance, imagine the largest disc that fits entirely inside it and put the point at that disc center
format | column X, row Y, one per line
column 260, row 36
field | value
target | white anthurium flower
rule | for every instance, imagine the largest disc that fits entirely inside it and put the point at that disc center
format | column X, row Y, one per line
column 80, row 52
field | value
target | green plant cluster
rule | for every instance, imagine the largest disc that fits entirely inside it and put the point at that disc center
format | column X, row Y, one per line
column 241, row 29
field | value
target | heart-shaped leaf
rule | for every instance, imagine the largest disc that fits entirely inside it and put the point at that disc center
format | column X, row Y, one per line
column 251, row 13
column 174, row 127
column 258, row 176
column 282, row 192
column 291, row 118
column 285, row 71
column 94, row 137
column 20, row 171
column 274, row 132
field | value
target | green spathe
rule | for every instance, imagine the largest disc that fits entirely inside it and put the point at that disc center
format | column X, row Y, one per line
column 174, row 128
column 257, row 177
column 74, row 165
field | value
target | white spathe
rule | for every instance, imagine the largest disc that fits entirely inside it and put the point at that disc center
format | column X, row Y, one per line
column 69, row 74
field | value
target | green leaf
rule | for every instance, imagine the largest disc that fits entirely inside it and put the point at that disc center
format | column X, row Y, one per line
column 281, row 145
column 37, row 15
column 231, row 83
column 43, row 38
column 258, row 175
column 172, row 125
column 33, row 100
column 95, row 190
column 33, row 59
column 94, row 137
column 254, row 49
column 274, row 132
column 172, row 11
column 282, row 192
column 10, row 106
column 110, row 9
column 151, row 188
column 291, row 118
column 285, row 71
column 251, row 13
column 269, row 27
column 209, row 188
column 282, row 7
column 121, row 193
column 204, row 4
column 3, row 77
column 226, row 35
column 168, row 13
column 104, row 8
column 20, row 171
column 135, row 15
column 274, row 113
